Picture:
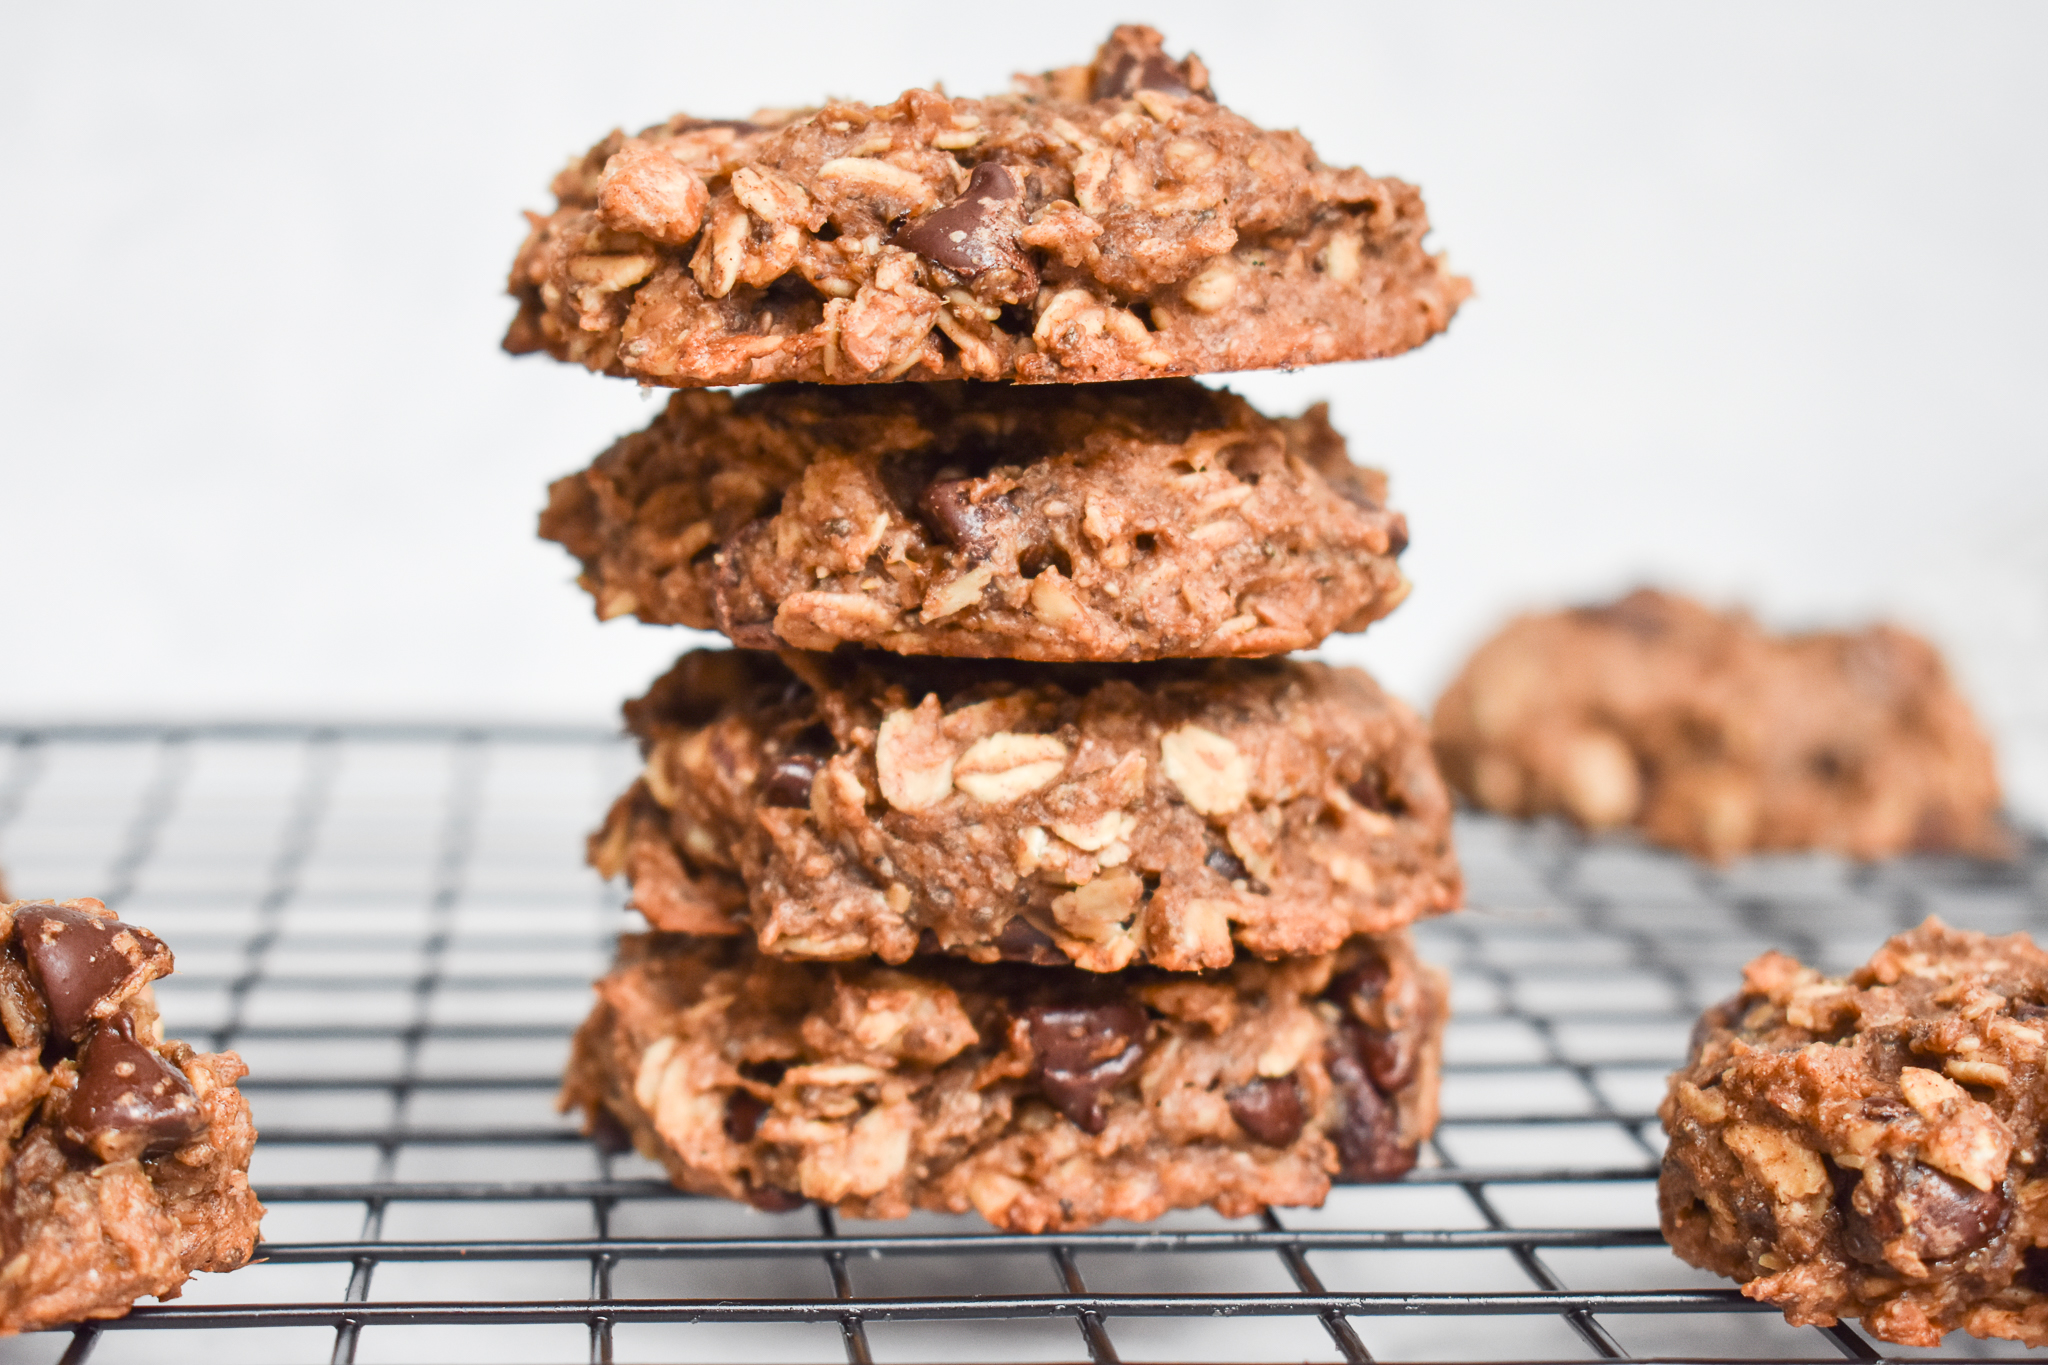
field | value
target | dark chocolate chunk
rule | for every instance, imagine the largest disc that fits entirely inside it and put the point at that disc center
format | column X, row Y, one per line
column 129, row 1101
column 1368, row 1130
column 2034, row 1270
column 608, row 1134
column 955, row 518
column 83, row 965
column 1360, row 989
column 1023, row 941
column 977, row 235
column 1389, row 1056
column 1938, row 1215
column 743, row 1111
column 1133, row 61
column 1084, row 1052
column 1225, row 864
column 789, row 781
column 1269, row 1109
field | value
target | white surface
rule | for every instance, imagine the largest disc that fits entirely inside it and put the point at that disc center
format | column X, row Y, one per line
column 1760, row 290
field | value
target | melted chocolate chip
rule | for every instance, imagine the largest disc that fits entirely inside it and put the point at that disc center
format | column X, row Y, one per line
column 1084, row 1052
column 84, row 965
column 1359, row 989
column 1269, row 1109
column 1226, row 865
column 129, row 1101
column 743, row 1111
column 789, row 782
column 1023, row 941
column 954, row 517
column 1389, row 1057
column 977, row 234
column 1368, row 1130
column 2034, row 1270
column 1938, row 1215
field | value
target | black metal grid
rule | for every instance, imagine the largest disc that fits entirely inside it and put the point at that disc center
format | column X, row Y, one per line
column 392, row 924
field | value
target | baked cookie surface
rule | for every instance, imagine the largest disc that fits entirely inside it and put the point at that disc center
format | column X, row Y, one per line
column 1040, row 1097
column 1111, row 221
column 1171, row 813
column 1119, row 522
column 1718, row 739
column 1870, row 1146
column 126, row 1155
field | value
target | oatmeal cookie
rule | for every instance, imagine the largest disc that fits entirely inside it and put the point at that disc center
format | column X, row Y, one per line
column 1117, row 522
column 847, row 805
column 1871, row 1146
column 1043, row 1098
column 126, row 1155
column 1110, row 221
column 1717, row 739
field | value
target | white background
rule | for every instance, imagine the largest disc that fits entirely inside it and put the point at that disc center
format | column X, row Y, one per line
column 1760, row 292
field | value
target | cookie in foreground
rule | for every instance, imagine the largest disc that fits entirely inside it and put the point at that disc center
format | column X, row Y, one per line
column 1109, row 221
column 1870, row 1146
column 1114, row 522
column 126, row 1155
column 1715, row 738
column 855, row 804
column 1040, row 1097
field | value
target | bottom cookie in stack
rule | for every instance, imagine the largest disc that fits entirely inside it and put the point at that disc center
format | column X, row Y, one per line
column 1042, row 1097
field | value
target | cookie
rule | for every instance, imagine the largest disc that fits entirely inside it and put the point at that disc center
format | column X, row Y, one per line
column 1713, row 737
column 1171, row 813
column 126, row 1155
column 1043, row 1098
column 1110, row 221
column 1870, row 1146
column 1109, row 523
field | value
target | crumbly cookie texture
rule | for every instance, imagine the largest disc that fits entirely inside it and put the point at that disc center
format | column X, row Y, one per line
column 1043, row 1098
column 1170, row 813
column 1870, row 1147
column 1110, row 221
column 126, row 1155
column 1715, row 738
column 1113, row 523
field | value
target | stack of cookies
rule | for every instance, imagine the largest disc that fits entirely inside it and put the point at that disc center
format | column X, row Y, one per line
column 1003, row 865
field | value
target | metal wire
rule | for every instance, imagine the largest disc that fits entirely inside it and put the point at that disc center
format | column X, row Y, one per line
column 392, row 924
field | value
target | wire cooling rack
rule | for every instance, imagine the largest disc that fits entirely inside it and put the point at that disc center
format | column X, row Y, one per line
column 393, row 925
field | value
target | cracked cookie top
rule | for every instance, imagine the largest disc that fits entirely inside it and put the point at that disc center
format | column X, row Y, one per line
column 1108, row 221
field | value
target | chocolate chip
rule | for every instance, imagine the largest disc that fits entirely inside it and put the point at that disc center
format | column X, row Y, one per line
column 977, row 234
column 129, row 1101
column 1368, row 1130
column 1269, row 1109
column 773, row 1199
column 1023, row 941
column 1359, row 989
column 1131, row 62
column 743, row 1111
column 1938, row 1216
column 954, row 517
column 1397, row 535
column 2034, row 1271
column 1389, row 1057
column 789, row 782
column 1225, row 864
column 1084, row 1052
column 84, row 965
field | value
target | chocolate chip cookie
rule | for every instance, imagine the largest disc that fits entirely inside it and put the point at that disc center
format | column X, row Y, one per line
column 1109, row 221
column 1116, row 522
column 1043, row 1098
column 847, row 805
column 1715, row 738
column 1871, row 1146
column 126, row 1155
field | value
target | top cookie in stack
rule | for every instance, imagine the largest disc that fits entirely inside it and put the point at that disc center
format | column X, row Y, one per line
column 1109, row 221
